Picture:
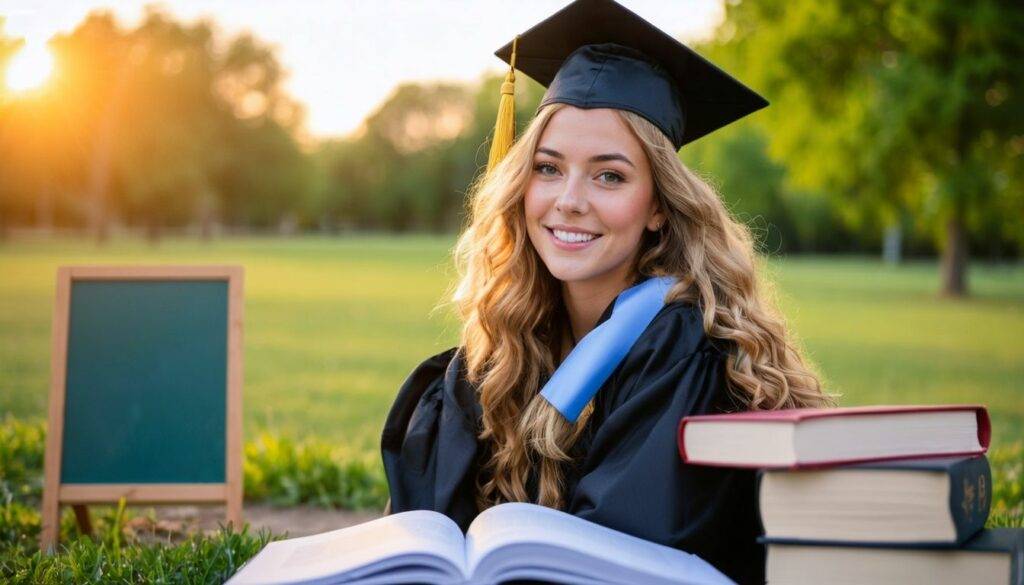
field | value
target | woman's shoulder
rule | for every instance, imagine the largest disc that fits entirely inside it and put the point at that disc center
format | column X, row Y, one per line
column 434, row 365
column 674, row 363
column 678, row 329
column 438, row 380
column 425, row 382
column 432, row 374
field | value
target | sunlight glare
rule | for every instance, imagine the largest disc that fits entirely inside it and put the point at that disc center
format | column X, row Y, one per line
column 29, row 68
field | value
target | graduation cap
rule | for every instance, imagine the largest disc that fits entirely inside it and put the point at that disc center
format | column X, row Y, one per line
column 599, row 54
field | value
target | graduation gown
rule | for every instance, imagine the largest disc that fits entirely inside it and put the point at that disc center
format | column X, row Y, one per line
column 627, row 474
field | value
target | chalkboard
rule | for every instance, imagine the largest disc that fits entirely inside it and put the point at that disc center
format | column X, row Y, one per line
column 145, row 398
column 146, row 390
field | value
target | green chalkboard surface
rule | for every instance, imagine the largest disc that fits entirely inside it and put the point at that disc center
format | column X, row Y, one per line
column 145, row 390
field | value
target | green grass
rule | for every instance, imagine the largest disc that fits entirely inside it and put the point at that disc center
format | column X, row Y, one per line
column 277, row 469
column 125, row 550
column 882, row 335
column 201, row 558
column 313, row 471
column 333, row 326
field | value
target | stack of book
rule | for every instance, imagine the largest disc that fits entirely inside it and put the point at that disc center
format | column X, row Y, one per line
column 868, row 494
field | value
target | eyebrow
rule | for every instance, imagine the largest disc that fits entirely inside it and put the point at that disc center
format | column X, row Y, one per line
column 595, row 158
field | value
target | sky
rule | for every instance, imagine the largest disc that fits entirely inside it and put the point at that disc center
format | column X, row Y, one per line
column 325, row 45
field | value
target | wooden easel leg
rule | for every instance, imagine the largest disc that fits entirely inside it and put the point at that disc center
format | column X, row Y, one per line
column 234, row 511
column 82, row 518
column 50, row 522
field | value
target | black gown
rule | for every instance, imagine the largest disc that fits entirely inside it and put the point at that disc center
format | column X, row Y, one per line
column 627, row 474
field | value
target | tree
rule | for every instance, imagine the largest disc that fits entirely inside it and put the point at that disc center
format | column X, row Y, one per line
column 898, row 105
column 264, row 176
column 27, row 137
column 157, row 126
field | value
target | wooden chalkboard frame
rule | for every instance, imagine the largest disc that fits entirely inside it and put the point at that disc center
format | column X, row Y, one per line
column 54, row 493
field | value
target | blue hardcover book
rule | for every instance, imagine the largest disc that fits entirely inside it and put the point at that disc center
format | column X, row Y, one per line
column 993, row 557
column 913, row 503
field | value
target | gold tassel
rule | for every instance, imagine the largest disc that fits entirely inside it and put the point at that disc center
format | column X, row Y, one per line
column 505, row 126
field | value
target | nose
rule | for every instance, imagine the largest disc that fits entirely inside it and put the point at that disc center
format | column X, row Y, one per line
column 572, row 198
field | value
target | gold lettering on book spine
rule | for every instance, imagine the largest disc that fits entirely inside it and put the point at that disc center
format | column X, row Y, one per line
column 982, row 494
column 968, row 502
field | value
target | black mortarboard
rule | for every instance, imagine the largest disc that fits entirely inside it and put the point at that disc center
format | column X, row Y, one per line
column 599, row 54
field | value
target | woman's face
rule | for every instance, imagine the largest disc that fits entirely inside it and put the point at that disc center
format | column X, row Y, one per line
column 590, row 196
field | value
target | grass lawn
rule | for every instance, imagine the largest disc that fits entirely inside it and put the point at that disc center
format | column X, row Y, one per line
column 333, row 326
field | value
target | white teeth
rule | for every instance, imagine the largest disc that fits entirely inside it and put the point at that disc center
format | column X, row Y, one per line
column 573, row 237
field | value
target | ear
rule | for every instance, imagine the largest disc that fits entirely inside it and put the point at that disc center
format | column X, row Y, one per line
column 656, row 220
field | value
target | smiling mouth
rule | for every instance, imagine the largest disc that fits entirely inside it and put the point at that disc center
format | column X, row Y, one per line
column 572, row 237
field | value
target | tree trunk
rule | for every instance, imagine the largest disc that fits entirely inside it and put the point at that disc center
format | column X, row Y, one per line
column 892, row 244
column 954, row 256
column 207, row 215
column 44, row 209
column 102, row 157
column 154, row 229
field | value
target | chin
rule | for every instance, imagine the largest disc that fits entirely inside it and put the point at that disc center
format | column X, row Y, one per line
column 574, row 273
column 568, row 274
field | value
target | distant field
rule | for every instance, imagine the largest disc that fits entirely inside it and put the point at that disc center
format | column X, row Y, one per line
column 333, row 326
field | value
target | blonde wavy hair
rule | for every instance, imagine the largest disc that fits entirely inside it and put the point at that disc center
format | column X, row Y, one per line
column 513, row 320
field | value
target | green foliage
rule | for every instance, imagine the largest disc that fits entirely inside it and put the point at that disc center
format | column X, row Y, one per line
column 164, row 127
column 22, row 446
column 902, row 109
column 416, row 156
column 116, row 552
column 276, row 469
column 19, row 527
column 1005, row 521
column 199, row 559
column 279, row 470
column 756, row 191
column 287, row 472
column 1007, row 485
column 883, row 113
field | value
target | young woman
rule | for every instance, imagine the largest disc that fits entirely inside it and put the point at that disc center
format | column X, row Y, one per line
column 589, row 202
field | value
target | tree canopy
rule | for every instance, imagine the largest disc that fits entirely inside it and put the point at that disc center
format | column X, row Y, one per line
column 883, row 113
column 897, row 108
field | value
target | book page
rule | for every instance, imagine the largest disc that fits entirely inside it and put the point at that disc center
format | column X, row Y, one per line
column 418, row 541
column 530, row 527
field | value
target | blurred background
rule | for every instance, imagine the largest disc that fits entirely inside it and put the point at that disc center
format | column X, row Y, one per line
column 895, row 127
column 328, row 148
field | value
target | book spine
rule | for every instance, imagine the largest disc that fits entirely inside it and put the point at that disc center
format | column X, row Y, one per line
column 970, row 496
column 984, row 427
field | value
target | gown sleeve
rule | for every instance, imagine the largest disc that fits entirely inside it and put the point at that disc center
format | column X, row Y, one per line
column 429, row 445
column 631, row 477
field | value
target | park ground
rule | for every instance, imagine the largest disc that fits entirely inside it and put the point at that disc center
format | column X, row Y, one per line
column 333, row 326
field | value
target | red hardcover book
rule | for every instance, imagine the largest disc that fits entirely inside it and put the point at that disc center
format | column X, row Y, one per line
column 817, row 437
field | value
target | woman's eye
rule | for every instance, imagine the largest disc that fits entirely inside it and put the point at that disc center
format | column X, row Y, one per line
column 610, row 177
column 545, row 169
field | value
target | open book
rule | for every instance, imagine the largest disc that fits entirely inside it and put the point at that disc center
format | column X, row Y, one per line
column 505, row 543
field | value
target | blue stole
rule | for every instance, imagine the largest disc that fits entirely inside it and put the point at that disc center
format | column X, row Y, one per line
column 596, row 356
